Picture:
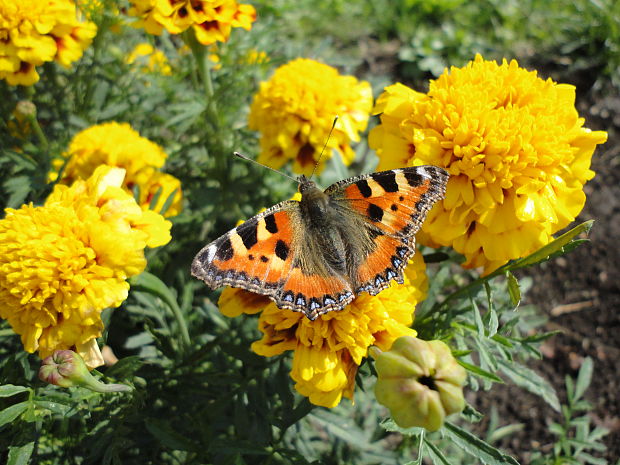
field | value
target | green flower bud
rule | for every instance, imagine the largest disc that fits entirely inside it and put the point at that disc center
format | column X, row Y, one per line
column 25, row 110
column 66, row 368
column 419, row 381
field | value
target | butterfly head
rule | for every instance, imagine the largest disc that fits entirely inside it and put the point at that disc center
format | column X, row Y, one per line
column 305, row 184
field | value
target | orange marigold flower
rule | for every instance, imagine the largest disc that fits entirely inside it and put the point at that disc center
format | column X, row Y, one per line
column 212, row 20
column 33, row 32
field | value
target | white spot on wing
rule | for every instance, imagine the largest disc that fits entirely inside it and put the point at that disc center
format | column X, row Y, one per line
column 211, row 253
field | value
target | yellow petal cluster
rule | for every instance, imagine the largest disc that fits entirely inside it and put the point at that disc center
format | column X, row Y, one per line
column 295, row 109
column 514, row 145
column 118, row 144
column 211, row 20
column 328, row 351
column 33, row 32
column 149, row 59
column 64, row 262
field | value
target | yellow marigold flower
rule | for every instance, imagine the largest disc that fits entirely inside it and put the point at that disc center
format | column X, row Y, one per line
column 118, row 144
column 294, row 112
column 151, row 60
column 515, row 147
column 212, row 20
column 62, row 263
column 328, row 351
column 33, row 32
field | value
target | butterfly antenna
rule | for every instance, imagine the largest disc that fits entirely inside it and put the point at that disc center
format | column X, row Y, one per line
column 240, row 155
column 326, row 141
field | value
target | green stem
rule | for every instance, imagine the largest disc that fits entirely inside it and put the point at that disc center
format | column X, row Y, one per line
column 39, row 133
column 178, row 315
column 147, row 282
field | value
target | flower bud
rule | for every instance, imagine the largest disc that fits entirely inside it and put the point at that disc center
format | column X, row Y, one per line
column 419, row 381
column 66, row 368
column 25, row 109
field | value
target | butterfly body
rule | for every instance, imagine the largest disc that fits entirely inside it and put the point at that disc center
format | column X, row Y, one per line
column 317, row 254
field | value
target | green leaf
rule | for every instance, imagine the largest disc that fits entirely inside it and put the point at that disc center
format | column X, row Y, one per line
column 392, row 427
column 125, row 367
column 155, row 198
column 435, row 454
column 168, row 202
column 477, row 318
column 513, row 289
column 583, row 378
column 165, row 434
column 476, row 447
column 20, row 455
column 480, row 372
column 9, row 390
column 11, row 413
column 558, row 247
column 54, row 407
column 532, row 381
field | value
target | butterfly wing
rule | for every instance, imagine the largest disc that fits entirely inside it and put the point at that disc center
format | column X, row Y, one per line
column 256, row 255
column 263, row 255
column 393, row 205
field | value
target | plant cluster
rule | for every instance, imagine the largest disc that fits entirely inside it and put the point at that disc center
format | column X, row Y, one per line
column 116, row 168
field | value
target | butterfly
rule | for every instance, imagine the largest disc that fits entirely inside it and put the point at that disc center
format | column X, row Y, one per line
column 315, row 255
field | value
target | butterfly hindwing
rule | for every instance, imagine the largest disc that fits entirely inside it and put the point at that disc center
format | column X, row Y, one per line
column 394, row 204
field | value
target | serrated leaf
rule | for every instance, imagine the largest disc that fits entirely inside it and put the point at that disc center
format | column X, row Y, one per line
column 125, row 367
column 593, row 460
column 18, row 187
column 513, row 289
column 532, row 381
column 11, row 413
column 583, row 378
column 9, row 390
column 435, row 454
column 54, row 407
column 165, row 434
column 477, row 318
column 476, row 447
column 471, row 414
column 20, row 455
column 392, row 427
column 155, row 198
column 558, row 246
column 480, row 372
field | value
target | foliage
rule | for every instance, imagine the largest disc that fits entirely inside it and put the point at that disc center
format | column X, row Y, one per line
column 201, row 395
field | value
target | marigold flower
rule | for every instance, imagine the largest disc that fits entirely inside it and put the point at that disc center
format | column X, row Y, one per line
column 211, row 20
column 420, row 382
column 151, row 60
column 295, row 109
column 62, row 263
column 118, row 144
column 328, row 351
column 33, row 32
column 515, row 147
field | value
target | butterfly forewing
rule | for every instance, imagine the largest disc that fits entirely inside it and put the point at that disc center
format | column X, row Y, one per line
column 393, row 204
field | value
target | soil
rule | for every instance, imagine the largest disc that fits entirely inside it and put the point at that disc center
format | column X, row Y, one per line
column 580, row 294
